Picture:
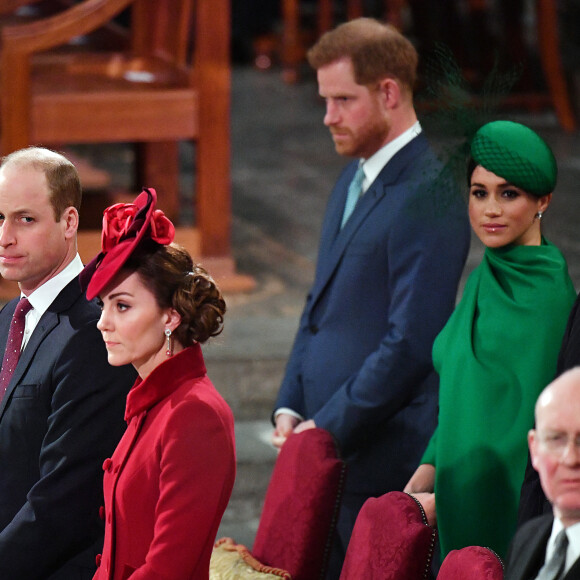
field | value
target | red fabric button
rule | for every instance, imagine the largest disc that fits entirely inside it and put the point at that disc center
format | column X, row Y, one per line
column 107, row 464
column 98, row 559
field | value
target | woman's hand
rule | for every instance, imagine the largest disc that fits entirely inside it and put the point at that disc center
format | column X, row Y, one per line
column 427, row 500
column 423, row 480
column 421, row 486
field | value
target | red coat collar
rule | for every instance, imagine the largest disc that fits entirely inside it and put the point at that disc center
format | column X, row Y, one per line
column 164, row 379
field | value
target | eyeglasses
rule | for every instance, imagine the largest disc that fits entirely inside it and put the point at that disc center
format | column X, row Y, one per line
column 556, row 443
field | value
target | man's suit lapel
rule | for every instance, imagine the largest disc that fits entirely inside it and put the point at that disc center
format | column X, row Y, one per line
column 334, row 240
column 44, row 327
column 365, row 206
column 574, row 572
column 333, row 218
column 532, row 550
column 7, row 313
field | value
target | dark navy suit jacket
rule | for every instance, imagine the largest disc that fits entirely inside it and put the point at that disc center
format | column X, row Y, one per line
column 385, row 285
column 528, row 550
column 62, row 415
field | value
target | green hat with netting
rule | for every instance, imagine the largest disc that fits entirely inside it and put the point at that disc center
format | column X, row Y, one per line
column 516, row 153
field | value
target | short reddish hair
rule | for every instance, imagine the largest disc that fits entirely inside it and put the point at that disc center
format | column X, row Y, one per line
column 377, row 51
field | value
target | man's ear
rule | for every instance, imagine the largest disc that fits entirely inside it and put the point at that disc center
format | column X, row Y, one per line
column 390, row 93
column 71, row 217
column 533, row 445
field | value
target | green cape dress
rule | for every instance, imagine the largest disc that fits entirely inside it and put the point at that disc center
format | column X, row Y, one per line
column 494, row 356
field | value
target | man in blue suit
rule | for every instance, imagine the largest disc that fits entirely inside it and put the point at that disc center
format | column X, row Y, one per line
column 386, row 277
column 61, row 412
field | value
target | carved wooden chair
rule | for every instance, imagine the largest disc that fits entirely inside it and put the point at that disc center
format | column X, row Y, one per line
column 171, row 84
column 293, row 49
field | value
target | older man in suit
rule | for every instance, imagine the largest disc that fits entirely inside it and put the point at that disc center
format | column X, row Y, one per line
column 548, row 547
column 394, row 241
column 61, row 403
column 533, row 501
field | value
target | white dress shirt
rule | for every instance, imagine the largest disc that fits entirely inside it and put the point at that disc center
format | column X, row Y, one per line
column 44, row 296
column 375, row 164
column 573, row 551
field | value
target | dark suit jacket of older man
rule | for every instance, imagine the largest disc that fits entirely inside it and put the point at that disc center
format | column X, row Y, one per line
column 62, row 415
column 528, row 550
column 533, row 501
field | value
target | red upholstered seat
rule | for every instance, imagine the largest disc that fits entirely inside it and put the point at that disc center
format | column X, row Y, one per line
column 471, row 563
column 301, row 506
column 391, row 540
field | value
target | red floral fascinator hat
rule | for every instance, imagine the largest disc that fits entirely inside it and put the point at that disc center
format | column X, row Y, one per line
column 125, row 227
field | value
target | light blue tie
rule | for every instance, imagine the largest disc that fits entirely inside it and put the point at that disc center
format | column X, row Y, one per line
column 353, row 194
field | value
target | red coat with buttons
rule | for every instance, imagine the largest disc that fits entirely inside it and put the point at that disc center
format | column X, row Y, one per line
column 170, row 478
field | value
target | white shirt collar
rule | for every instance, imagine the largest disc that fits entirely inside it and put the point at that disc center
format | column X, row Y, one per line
column 374, row 164
column 44, row 296
column 573, row 533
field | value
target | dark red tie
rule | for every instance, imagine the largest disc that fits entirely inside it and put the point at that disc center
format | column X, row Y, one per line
column 12, row 352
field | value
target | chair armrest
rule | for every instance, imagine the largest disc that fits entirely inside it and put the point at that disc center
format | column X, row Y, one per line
column 46, row 33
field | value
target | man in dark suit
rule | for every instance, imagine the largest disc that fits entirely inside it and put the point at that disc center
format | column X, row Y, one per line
column 387, row 274
column 61, row 412
column 553, row 540
column 533, row 501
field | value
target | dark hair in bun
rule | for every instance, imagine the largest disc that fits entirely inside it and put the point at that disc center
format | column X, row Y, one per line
column 170, row 273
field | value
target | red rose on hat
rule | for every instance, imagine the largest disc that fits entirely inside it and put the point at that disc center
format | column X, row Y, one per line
column 162, row 230
column 125, row 227
column 116, row 222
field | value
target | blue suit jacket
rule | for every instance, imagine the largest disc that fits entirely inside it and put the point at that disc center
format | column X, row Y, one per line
column 528, row 551
column 62, row 415
column 385, row 285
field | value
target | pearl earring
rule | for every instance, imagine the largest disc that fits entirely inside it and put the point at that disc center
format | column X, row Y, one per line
column 169, row 351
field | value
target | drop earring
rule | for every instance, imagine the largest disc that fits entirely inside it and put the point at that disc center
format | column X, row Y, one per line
column 169, row 351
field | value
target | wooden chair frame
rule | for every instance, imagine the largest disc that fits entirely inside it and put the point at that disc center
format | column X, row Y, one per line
column 29, row 117
column 548, row 43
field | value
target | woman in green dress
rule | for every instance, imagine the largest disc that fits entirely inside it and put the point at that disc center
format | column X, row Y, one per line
column 499, row 348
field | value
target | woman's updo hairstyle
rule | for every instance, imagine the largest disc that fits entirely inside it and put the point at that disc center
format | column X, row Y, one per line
column 170, row 273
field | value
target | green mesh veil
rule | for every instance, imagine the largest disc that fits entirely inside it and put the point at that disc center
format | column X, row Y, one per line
column 451, row 112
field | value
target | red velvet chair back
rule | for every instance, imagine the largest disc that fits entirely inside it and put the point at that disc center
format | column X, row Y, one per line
column 471, row 563
column 391, row 540
column 301, row 506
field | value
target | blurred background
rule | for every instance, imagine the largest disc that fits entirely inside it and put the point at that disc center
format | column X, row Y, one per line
column 228, row 126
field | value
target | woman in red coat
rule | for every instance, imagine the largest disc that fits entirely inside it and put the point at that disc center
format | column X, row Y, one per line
column 170, row 478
